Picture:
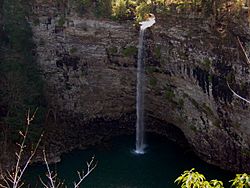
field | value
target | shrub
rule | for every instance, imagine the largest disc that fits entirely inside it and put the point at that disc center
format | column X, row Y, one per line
column 103, row 9
column 141, row 10
column 119, row 9
column 61, row 21
column 129, row 51
column 152, row 81
column 192, row 179
column 157, row 52
column 241, row 181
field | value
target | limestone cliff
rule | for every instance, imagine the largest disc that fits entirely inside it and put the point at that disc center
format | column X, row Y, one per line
column 90, row 69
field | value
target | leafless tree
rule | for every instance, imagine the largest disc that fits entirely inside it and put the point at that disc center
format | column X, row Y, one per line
column 248, row 62
column 13, row 179
column 240, row 97
column 54, row 182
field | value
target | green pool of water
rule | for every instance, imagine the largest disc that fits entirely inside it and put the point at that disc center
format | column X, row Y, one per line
column 119, row 167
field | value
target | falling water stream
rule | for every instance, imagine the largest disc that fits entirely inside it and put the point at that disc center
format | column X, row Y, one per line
column 140, row 143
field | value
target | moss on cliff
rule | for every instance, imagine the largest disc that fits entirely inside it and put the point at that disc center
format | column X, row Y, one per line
column 129, row 51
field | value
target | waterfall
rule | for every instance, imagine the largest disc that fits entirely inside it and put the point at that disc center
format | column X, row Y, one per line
column 140, row 97
column 140, row 142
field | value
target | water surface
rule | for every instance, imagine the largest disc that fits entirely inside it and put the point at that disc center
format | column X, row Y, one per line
column 119, row 167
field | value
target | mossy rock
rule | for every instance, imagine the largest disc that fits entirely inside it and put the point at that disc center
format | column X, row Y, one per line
column 151, row 69
column 113, row 50
column 61, row 21
column 73, row 50
column 206, row 64
column 152, row 81
column 157, row 52
column 129, row 51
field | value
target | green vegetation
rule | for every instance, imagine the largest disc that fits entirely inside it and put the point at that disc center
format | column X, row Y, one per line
column 21, row 87
column 61, row 21
column 73, row 50
column 210, row 78
column 120, row 10
column 241, row 181
column 169, row 93
column 206, row 64
column 157, row 52
column 113, row 50
column 193, row 128
column 193, row 179
column 129, row 51
column 152, row 81
column 131, row 9
column 171, row 97
column 151, row 69
column 103, row 8
column 141, row 10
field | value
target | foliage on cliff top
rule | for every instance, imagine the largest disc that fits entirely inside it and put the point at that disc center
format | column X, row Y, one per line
column 137, row 9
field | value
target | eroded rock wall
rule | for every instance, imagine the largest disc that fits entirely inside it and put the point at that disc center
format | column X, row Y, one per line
column 90, row 69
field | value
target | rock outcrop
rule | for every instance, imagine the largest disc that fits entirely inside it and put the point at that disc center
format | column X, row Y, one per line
column 90, row 69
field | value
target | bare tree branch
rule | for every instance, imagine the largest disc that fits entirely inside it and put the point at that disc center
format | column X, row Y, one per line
column 90, row 167
column 14, row 179
column 44, row 184
column 243, row 50
column 30, row 158
column 53, row 180
column 237, row 94
column 49, row 175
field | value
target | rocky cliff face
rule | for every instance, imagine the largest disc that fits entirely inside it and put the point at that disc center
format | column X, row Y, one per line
column 90, row 69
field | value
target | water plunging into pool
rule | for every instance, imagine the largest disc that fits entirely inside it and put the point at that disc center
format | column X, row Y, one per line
column 140, row 143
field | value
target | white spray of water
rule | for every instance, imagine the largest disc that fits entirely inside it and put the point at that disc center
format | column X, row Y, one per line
column 140, row 143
